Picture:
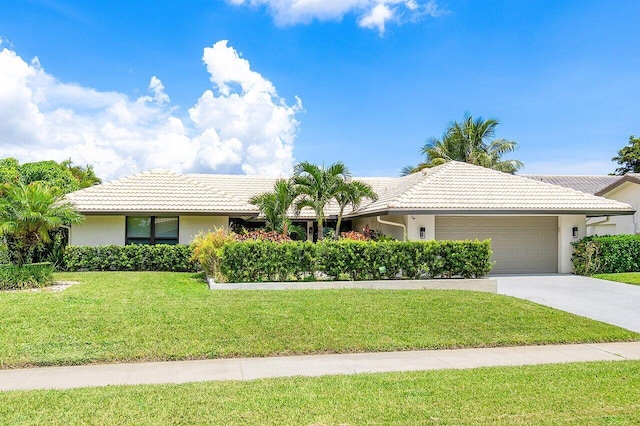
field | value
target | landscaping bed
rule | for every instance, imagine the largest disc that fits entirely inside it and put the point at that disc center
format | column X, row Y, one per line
column 152, row 316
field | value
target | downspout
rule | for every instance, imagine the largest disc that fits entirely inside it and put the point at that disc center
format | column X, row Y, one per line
column 401, row 225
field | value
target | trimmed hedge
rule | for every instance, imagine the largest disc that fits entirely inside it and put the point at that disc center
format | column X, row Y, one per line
column 33, row 275
column 258, row 261
column 134, row 257
column 607, row 254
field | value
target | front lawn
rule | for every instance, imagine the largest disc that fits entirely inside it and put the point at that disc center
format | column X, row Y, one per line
column 580, row 394
column 145, row 316
column 623, row 277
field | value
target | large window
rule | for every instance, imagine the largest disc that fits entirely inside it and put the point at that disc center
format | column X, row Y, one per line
column 152, row 230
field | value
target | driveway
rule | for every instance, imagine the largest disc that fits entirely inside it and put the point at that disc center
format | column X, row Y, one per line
column 607, row 301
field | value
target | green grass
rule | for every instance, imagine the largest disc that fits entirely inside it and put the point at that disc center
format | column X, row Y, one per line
column 580, row 394
column 117, row 317
column 624, row 277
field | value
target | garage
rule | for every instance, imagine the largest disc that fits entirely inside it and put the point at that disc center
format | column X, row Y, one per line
column 523, row 245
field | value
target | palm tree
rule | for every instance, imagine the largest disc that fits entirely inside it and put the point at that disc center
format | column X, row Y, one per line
column 317, row 186
column 85, row 176
column 274, row 205
column 352, row 193
column 470, row 141
column 28, row 213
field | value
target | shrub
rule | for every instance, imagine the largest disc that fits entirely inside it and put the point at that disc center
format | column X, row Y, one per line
column 257, row 261
column 608, row 254
column 32, row 275
column 207, row 250
column 135, row 257
column 4, row 254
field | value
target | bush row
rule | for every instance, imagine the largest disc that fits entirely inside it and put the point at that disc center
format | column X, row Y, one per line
column 608, row 254
column 258, row 261
column 135, row 257
column 13, row 277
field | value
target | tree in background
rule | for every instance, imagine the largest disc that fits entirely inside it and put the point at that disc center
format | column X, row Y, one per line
column 317, row 186
column 63, row 176
column 28, row 214
column 352, row 193
column 85, row 176
column 470, row 141
column 628, row 157
column 274, row 205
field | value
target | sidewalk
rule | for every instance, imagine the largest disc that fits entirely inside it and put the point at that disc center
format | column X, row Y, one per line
column 308, row 365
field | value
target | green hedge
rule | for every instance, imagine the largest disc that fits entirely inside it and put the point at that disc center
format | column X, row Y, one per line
column 135, row 257
column 13, row 277
column 606, row 255
column 258, row 261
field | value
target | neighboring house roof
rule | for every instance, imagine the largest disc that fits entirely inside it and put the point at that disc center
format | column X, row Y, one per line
column 588, row 184
column 454, row 188
column 629, row 177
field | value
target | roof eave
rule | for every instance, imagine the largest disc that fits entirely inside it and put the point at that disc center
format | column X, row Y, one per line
column 494, row 212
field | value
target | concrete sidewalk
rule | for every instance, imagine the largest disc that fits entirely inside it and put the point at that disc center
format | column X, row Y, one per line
column 308, row 365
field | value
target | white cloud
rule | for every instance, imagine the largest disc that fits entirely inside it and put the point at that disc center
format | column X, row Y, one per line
column 240, row 124
column 371, row 13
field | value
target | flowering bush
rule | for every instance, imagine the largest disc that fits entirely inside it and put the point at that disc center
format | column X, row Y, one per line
column 353, row 235
column 261, row 235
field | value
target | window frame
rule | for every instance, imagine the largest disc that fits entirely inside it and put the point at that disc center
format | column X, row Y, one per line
column 151, row 240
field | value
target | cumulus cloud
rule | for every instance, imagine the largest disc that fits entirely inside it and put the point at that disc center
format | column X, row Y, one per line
column 240, row 124
column 373, row 14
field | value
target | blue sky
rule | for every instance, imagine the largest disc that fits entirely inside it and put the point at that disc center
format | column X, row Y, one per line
column 374, row 79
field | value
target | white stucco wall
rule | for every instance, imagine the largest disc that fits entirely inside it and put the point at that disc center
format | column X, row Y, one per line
column 566, row 223
column 415, row 222
column 98, row 231
column 190, row 226
column 108, row 230
column 629, row 193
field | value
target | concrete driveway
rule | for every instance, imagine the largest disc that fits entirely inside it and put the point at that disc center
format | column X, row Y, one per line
column 606, row 301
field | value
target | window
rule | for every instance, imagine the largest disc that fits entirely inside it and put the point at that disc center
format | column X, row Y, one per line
column 151, row 230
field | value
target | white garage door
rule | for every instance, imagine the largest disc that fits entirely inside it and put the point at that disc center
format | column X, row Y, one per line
column 520, row 244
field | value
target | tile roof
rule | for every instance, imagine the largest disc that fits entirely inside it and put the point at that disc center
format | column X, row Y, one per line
column 155, row 191
column 588, row 184
column 452, row 187
column 460, row 187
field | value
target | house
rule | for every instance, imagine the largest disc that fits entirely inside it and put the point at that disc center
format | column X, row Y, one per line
column 531, row 223
column 625, row 189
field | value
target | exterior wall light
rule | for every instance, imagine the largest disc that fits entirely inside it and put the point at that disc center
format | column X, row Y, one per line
column 423, row 232
column 575, row 232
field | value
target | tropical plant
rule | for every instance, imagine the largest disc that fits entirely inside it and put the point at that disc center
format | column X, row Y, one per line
column 85, row 176
column 274, row 205
column 352, row 193
column 317, row 186
column 628, row 157
column 470, row 141
column 27, row 215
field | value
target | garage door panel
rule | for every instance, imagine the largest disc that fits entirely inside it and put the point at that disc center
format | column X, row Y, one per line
column 520, row 244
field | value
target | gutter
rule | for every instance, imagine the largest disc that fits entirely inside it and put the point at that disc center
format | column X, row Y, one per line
column 401, row 225
column 599, row 222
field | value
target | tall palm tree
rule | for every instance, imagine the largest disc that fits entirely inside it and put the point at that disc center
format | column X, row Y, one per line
column 274, row 205
column 470, row 141
column 352, row 193
column 28, row 213
column 317, row 186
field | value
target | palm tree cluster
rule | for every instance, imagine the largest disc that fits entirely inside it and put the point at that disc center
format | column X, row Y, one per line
column 314, row 187
column 470, row 141
column 27, row 215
